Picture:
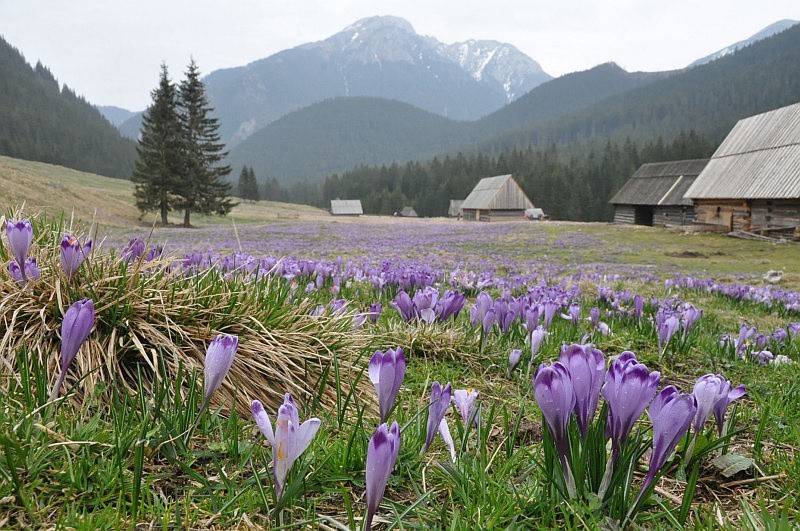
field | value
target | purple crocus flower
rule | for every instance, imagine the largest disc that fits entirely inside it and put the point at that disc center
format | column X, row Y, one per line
column 531, row 317
column 386, row 372
column 550, row 309
column 439, row 402
column 384, row 445
column 513, row 360
column 728, row 396
column 134, row 250
column 689, row 317
column 671, row 414
column 793, row 329
column 488, row 321
column 537, row 336
column 219, row 358
column 73, row 254
column 553, row 390
column 20, row 236
column 375, row 310
column 464, row 399
column 628, row 389
column 75, row 328
column 708, row 390
column 666, row 330
column 29, row 273
column 594, row 316
column 638, row 306
column 483, row 303
column 587, row 369
column 573, row 313
column 744, row 335
column 289, row 440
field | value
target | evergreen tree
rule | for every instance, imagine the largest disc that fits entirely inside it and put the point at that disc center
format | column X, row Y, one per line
column 248, row 185
column 204, row 188
column 159, row 166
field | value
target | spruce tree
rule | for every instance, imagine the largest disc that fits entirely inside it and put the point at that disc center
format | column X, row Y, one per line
column 159, row 166
column 248, row 184
column 204, row 188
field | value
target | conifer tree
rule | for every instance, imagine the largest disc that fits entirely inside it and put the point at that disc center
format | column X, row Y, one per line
column 203, row 188
column 159, row 166
column 248, row 185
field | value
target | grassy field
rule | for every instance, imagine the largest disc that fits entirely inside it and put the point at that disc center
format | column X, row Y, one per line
column 125, row 445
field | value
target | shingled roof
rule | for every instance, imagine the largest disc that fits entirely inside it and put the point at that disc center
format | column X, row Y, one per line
column 497, row 193
column 660, row 183
column 759, row 159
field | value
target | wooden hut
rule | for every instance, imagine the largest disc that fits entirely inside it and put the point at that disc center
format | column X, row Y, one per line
column 408, row 212
column 496, row 198
column 346, row 207
column 654, row 194
column 752, row 182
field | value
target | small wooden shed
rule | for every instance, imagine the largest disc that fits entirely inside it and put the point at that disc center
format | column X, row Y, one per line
column 496, row 198
column 654, row 194
column 408, row 212
column 752, row 182
column 346, row 207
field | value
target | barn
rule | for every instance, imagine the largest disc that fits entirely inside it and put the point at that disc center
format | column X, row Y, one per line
column 752, row 182
column 654, row 194
column 346, row 207
column 496, row 198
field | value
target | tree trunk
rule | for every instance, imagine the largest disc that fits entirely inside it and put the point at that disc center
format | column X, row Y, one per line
column 163, row 213
column 186, row 223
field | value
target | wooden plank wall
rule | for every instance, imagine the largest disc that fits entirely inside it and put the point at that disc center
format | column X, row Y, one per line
column 673, row 215
column 624, row 214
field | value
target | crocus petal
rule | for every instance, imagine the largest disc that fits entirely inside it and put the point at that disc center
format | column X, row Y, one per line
column 219, row 358
column 448, row 439
column 262, row 419
column 722, row 405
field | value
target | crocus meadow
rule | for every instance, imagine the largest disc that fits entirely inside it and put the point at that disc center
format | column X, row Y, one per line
column 629, row 368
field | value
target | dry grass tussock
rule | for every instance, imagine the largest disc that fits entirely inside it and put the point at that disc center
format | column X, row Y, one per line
column 152, row 320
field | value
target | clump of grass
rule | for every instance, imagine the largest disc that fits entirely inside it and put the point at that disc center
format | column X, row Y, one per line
column 151, row 313
column 430, row 340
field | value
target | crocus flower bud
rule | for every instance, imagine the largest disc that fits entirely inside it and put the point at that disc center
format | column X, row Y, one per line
column 75, row 328
column 537, row 336
column 513, row 360
column 384, row 446
column 20, row 236
column 289, row 439
column 29, row 272
column 386, row 372
column 587, row 371
column 439, row 402
column 219, row 358
column 671, row 414
column 628, row 389
column 73, row 254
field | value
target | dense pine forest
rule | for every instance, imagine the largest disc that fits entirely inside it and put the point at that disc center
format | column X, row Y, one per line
column 573, row 183
column 40, row 121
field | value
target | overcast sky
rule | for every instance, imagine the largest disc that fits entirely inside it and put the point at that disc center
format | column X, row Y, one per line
column 110, row 50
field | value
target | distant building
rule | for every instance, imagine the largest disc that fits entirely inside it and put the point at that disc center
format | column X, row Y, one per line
column 346, row 207
column 752, row 182
column 654, row 194
column 455, row 208
column 496, row 198
column 408, row 212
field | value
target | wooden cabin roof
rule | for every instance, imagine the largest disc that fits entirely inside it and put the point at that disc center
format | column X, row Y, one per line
column 346, row 207
column 759, row 159
column 497, row 193
column 660, row 183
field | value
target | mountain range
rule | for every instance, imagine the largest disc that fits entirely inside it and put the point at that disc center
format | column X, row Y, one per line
column 381, row 57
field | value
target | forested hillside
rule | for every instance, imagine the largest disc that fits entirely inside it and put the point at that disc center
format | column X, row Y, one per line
column 40, row 121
